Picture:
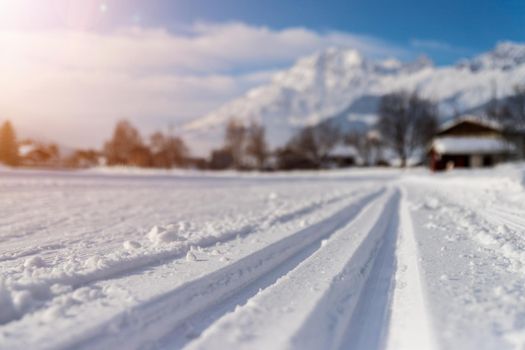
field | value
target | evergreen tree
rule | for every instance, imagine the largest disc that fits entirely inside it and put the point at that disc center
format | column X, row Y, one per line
column 8, row 145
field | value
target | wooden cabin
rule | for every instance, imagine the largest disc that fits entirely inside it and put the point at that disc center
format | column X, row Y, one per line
column 469, row 142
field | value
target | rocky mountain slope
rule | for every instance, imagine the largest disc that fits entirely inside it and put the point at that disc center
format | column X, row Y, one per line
column 342, row 85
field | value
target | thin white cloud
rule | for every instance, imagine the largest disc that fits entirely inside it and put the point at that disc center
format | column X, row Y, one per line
column 72, row 86
column 239, row 43
column 435, row 45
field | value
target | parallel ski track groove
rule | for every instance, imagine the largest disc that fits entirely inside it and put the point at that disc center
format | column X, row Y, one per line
column 162, row 315
column 149, row 261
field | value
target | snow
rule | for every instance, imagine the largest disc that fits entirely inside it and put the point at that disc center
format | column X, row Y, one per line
column 412, row 328
column 342, row 150
column 491, row 124
column 34, row 261
column 131, row 245
column 506, row 55
column 342, row 85
column 470, row 145
column 190, row 256
column 24, row 150
column 170, row 233
column 361, row 259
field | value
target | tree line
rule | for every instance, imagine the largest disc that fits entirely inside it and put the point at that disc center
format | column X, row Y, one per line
column 406, row 123
column 127, row 147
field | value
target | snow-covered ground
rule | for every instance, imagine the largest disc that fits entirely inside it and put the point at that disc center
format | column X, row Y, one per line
column 358, row 259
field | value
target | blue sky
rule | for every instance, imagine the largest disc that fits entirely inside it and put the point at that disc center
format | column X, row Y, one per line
column 446, row 29
column 84, row 64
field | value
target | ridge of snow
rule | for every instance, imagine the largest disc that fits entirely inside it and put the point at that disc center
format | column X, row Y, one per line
column 505, row 56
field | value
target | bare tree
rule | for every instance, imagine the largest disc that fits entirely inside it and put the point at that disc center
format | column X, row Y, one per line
column 314, row 143
column 83, row 159
column 167, row 151
column 256, row 144
column 368, row 145
column 510, row 112
column 304, row 144
column 235, row 140
column 125, row 147
column 359, row 140
column 8, row 145
column 406, row 122
column 327, row 136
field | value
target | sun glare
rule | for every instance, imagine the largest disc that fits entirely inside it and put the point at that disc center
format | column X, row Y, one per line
column 74, row 14
column 10, row 9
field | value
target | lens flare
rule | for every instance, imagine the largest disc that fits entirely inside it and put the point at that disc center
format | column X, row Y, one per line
column 73, row 14
column 80, row 15
column 12, row 11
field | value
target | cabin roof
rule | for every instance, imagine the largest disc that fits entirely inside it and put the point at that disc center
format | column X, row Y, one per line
column 488, row 125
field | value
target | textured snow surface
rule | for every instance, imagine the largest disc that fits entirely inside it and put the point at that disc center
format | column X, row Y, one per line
column 361, row 259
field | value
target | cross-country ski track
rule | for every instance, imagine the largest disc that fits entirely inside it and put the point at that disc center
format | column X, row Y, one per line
column 344, row 261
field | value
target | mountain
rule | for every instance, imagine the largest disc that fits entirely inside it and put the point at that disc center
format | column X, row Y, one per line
column 343, row 86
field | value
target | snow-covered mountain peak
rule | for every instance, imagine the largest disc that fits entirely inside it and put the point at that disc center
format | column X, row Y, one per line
column 506, row 55
column 342, row 85
column 333, row 56
column 420, row 63
column 314, row 68
column 509, row 51
column 343, row 60
column 391, row 63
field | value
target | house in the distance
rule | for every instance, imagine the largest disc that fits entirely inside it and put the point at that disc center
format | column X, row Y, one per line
column 469, row 142
column 341, row 156
column 39, row 154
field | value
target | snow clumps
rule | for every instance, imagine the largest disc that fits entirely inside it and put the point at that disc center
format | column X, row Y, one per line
column 34, row 262
column 431, row 203
column 190, row 256
column 131, row 245
column 7, row 308
column 167, row 234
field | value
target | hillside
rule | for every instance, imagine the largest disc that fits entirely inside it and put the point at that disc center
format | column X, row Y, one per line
column 343, row 85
